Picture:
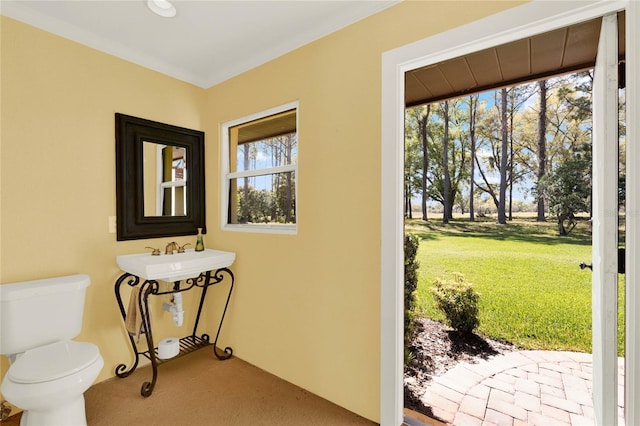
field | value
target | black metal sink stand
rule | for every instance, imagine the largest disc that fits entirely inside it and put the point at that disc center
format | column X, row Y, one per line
column 188, row 344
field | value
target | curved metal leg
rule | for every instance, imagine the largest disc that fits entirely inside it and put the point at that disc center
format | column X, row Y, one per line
column 228, row 352
column 121, row 369
column 147, row 387
column 205, row 286
column 147, row 288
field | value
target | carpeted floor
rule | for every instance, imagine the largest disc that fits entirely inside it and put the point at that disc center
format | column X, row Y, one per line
column 198, row 389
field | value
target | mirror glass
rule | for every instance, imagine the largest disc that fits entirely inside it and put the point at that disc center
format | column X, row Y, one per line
column 165, row 179
column 159, row 179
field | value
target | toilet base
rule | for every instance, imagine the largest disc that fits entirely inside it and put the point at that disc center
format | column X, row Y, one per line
column 71, row 414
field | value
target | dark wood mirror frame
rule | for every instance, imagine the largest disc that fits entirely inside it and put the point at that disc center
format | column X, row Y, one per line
column 132, row 224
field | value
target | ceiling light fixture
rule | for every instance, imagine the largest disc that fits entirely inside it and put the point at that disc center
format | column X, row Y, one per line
column 163, row 8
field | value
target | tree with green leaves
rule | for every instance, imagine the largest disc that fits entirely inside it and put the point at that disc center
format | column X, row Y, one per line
column 448, row 154
column 413, row 159
column 567, row 189
column 461, row 150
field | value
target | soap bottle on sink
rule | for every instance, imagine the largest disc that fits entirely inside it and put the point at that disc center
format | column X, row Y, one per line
column 199, row 242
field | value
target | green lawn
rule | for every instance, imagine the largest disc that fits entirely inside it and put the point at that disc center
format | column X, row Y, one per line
column 533, row 293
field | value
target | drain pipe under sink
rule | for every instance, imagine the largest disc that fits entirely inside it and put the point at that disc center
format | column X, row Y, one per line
column 175, row 308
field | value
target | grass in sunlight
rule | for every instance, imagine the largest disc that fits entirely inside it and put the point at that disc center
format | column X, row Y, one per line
column 533, row 293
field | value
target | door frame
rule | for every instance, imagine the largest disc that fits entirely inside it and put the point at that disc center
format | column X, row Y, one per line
column 520, row 22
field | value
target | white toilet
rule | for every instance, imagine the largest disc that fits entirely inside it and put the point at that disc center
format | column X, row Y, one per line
column 49, row 372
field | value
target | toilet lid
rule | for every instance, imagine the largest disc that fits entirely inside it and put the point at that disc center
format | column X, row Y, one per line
column 52, row 361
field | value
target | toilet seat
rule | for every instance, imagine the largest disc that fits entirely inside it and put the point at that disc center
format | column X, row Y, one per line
column 51, row 362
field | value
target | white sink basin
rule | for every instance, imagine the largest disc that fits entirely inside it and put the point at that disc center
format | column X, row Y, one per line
column 174, row 267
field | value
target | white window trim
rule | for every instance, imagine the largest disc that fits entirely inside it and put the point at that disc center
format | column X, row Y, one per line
column 263, row 172
column 290, row 229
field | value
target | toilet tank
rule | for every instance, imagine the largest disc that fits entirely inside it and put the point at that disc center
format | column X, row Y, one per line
column 35, row 313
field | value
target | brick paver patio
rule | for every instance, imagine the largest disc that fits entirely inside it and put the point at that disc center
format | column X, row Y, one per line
column 519, row 388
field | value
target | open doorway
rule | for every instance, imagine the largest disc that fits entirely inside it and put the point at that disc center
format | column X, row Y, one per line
column 521, row 22
column 534, row 296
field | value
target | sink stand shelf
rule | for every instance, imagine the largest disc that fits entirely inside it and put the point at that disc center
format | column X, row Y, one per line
column 189, row 343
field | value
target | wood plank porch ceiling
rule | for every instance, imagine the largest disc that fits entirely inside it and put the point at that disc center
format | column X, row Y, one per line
column 556, row 52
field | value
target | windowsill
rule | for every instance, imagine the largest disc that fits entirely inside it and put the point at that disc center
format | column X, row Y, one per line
column 262, row 228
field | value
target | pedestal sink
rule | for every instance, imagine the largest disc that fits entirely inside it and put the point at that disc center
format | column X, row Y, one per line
column 174, row 267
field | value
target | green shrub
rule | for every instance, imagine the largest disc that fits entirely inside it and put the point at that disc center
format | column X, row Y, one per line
column 411, row 243
column 458, row 301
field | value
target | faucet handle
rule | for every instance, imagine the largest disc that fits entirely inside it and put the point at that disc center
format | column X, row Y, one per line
column 181, row 248
column 154, row 251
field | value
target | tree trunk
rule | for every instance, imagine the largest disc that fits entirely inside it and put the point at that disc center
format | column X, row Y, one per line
column 488, row 188
column 425, row 160
column 542, row 144
column 510, row 162
column 447, row 202
column 246, row 165
column 561, row 230
column 473, row 103
column 288, row 195
column 502, row 219
column 245, row 211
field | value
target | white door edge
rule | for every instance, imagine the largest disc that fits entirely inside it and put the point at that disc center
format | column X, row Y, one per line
column 605, row 226
column 632, row 228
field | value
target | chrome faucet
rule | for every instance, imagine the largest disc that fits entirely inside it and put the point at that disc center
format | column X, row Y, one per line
column 171, row 247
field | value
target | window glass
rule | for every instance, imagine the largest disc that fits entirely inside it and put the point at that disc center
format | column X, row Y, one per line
column 263, row 154
column 265, row 199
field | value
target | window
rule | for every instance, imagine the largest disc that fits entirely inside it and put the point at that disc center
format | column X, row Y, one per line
column 260, row 165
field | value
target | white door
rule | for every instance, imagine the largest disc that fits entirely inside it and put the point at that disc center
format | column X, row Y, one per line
column 605, row 225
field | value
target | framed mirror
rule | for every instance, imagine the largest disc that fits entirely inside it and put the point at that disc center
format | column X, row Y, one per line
column 159, row 179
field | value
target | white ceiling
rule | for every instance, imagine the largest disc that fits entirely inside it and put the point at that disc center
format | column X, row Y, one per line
column 206, row 42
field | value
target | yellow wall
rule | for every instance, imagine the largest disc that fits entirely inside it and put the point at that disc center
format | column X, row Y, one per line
column 306, row 306
column 58, row 165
